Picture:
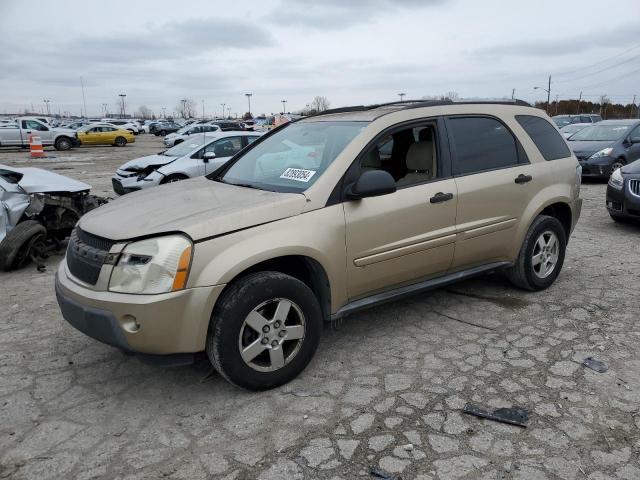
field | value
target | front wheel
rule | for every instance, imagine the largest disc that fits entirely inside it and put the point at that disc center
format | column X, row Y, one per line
column 541, row 256
column 63, row 143
column 17, row 248
column 619, row 163
column 120, row 142
column 264, row 330
column 163, row 133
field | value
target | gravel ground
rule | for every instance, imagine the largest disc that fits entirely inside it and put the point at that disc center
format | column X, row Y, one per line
column 385, row 389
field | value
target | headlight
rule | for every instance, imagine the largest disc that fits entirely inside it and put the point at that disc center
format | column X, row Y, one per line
column 616, row 180
column 602, row 153
column 155, row 265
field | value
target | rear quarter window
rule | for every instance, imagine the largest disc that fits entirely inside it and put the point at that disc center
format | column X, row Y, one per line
column 548, row 140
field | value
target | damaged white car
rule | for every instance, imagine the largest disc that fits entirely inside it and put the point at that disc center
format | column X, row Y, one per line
column 38, row 210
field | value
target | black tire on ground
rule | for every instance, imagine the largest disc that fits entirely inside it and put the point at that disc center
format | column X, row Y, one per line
column 15, row 247
column 619, row 218
column 619, row 163
column 176, row 177
column 163, row 132
column 522, row 274
column 177, row 142
column 120, row 142
column 228, row 318
column 63, row 143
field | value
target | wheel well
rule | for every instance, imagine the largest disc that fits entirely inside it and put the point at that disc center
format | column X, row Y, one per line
column 173, row 175
column 305, row 269
column 562, row 212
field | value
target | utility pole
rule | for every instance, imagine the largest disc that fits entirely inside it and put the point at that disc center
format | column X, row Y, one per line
column 513, row 93
column 46, row 102
column 164, row 112
column 557, row 104
column 633, row 104
column 184, row 107
column 229, row 110
column 203, row 109
column 84, row 99
column 223, row 110
column 124, row 112
column 579, row 101
column 548, row 90
column 284, row 106
column 104, row 107
column 401, row 95
column 249, row 95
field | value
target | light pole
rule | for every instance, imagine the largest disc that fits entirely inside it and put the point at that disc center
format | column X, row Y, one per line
column 124, row 112
column 229, row 110
column 249, row 95
column 284, row 106
column 223, row 110
column 46, row 102
column 184, row 108
column 104, row 107
column 548, row 90
column 164, row 112
column 401, row 95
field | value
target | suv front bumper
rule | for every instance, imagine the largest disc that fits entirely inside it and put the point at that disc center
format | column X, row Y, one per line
column 162, row 324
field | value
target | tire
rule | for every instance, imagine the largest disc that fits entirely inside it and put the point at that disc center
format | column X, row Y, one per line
column 16, row 246
column 177, row 142
column 120, row 142
column 63, row 143
column 524, row 274
column 248, row 299
column 176, row 177
column 619, row 163
column 163, row 133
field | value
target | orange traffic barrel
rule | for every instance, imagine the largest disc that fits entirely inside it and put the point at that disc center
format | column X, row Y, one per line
column 35, row 147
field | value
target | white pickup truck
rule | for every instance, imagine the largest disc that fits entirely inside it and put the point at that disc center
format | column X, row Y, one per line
column 17, row 134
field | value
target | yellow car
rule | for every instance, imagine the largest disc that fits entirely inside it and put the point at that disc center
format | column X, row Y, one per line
column 104, row 135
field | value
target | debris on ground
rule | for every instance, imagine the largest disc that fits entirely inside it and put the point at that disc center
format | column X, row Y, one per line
column 595, row 364
column 384, row 475
column 408, row 447
column 514, row 415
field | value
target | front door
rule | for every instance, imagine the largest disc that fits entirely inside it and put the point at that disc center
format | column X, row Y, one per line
column 34, row 127
column 408, row 235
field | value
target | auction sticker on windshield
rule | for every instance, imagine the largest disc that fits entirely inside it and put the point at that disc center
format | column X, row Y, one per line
column 298, row 174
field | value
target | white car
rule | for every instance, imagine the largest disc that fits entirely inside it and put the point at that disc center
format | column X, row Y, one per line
column 189, row 132
column 569, row 130
column 199, row 155
column 124, row 124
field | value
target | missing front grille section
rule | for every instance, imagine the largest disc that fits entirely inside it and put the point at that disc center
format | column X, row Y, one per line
column 84, row 257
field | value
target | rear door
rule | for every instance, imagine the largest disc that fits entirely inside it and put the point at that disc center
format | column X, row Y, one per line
column 495, row 183
column 408, row 235
column 11, row 135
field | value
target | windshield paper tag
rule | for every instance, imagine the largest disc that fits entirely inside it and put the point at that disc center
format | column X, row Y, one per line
column 298, row 174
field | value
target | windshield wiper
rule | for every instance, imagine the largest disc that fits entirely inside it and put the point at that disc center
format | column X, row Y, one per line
column 245, row 185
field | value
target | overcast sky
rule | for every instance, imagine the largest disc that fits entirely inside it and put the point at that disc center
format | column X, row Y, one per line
column 351, row 51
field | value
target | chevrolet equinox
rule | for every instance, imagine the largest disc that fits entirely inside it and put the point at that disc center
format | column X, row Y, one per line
column 318, row 219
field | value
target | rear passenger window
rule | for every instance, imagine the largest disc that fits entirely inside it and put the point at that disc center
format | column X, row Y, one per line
column 550, row 143
column 481, row 143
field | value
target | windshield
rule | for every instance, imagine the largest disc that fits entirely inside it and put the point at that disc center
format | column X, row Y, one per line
column 184, row 148
column 293, row 158
column 602, row 133
column 573, row 128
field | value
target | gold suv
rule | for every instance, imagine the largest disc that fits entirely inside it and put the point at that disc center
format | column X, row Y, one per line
column 320, row 218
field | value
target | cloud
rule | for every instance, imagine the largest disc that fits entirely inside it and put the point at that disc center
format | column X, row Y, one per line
column 339, row 14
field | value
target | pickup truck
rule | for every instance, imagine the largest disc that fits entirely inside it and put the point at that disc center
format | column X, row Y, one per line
column 17, row 134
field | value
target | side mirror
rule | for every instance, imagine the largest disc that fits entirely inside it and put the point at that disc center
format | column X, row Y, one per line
column 633, row 139
column 208, row 156
column 371, row 183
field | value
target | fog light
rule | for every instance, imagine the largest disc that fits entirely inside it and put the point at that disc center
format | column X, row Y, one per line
column 130, row 324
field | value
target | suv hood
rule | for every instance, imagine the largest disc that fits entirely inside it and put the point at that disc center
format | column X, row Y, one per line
column 143, row 162
column 37, row 180
column 587, row 148
column 198, row 207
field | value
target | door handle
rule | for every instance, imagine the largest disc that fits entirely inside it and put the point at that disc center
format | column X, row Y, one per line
column 441, row 197
column 523, row 178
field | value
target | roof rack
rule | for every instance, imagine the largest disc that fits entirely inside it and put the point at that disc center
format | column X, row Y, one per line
column 407, row 104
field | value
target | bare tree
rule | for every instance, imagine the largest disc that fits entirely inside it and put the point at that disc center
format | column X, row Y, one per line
column 144, row 112
column 320, row 104
column 186, row 108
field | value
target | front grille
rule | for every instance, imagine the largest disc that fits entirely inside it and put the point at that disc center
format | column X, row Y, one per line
column 634, row 187
column 86, row 254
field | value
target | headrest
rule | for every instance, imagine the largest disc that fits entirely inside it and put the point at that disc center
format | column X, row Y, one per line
column 420, row 156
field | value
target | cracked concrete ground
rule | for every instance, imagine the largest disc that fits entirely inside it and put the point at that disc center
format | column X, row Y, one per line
column 385, row 389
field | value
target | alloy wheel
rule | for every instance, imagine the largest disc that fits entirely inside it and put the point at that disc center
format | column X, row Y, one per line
column 545, row 254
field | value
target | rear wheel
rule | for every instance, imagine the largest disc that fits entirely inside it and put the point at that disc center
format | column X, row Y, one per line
column 21, row 242
column 120, row 142
column 63, row 143
column 264, row 330
column 163, row 132
column 541, row 256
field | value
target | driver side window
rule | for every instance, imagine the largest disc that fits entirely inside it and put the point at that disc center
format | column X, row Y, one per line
column 33, row 125
column 409, row 155
column 634, row 136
